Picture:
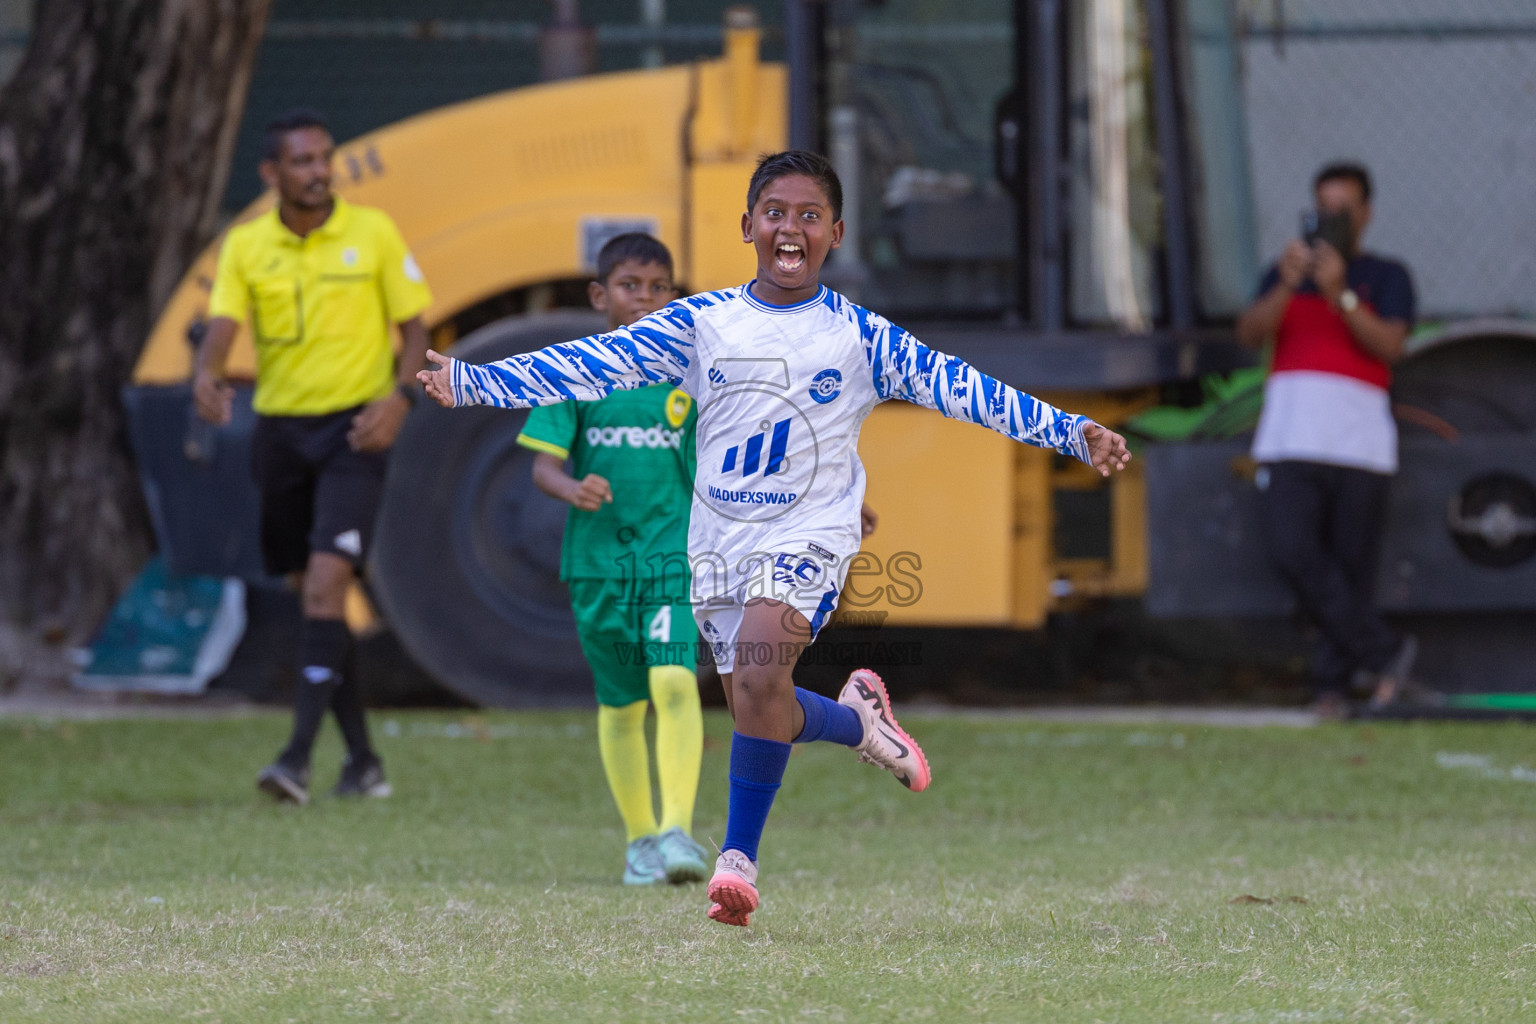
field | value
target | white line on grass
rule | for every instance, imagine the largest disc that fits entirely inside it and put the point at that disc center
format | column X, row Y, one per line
column 1238, row 718
column 1482, row 766
column 476, row 730
column 1080, row 739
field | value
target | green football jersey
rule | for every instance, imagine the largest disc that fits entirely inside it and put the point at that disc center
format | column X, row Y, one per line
column 642, row 442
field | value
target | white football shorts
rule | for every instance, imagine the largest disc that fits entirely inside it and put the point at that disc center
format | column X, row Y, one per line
column 809, row 581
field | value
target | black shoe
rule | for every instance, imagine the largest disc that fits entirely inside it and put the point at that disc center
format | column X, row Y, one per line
column 284, row 782
column 365, row 779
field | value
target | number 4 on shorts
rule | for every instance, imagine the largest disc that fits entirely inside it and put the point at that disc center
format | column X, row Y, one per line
column 661, row 625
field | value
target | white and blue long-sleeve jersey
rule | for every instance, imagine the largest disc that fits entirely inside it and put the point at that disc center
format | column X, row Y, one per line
column 782, row 393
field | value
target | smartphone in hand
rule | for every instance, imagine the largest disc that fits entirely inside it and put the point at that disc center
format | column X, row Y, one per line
column 1333, row 228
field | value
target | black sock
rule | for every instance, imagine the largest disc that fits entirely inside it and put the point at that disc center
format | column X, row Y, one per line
column 323, row 645
column 347, row 703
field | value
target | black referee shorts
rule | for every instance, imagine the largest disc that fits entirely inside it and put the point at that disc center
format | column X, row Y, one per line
column 317, row 494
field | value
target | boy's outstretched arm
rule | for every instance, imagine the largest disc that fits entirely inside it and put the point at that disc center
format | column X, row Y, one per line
column 653, row 350
column 1107, row 452
column 905, row 368
column 437, row 378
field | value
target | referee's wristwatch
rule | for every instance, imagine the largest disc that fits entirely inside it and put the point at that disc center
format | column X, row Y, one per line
column 1348, row 300
column 409, row 392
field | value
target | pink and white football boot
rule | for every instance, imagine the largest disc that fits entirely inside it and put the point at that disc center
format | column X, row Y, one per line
column 733, row 890
column 885, row 744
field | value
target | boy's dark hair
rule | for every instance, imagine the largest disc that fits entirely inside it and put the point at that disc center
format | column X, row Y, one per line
column 637, row 246
column 1345, row 172
column 818, row 168
column 292, row 121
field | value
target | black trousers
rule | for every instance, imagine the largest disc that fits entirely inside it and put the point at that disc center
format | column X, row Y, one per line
column 1323, row 527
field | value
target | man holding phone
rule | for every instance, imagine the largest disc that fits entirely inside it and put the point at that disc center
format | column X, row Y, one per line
column 1326, row 444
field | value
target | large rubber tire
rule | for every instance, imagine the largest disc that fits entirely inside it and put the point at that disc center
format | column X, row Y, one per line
column 466, row 558
column 1478, row 380
column 1477, row 384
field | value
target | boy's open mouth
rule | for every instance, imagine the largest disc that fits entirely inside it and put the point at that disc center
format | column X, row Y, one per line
column 789, row 256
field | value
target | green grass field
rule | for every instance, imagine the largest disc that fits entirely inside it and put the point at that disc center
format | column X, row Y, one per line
column 1052, row 873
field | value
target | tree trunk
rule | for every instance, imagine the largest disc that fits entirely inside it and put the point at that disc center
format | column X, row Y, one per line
column 115, row 139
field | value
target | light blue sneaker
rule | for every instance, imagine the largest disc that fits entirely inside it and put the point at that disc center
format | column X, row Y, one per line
column 642, row 862
column 682, row 859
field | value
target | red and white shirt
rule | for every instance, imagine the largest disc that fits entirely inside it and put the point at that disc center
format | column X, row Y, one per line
column 1326, row 399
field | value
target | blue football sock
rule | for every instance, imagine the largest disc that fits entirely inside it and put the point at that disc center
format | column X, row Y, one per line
column 757, row 768
column 826, row 719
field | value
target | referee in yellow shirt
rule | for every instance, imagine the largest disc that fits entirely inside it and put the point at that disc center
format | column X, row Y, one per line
column 320, row 281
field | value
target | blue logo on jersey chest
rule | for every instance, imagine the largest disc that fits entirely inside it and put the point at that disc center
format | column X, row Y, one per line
column 751, row 459
column 825, row 386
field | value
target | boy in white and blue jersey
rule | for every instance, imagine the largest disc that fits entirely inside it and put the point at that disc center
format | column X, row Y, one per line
column 784, row 372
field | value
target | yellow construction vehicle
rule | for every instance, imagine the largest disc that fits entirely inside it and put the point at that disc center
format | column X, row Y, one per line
column 1098, row 304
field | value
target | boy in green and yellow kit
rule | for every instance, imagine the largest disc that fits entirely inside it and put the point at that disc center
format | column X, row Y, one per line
column 625, row 561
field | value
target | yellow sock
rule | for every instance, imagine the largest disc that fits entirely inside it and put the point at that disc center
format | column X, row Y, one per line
column 679, row 742
column 621, row 740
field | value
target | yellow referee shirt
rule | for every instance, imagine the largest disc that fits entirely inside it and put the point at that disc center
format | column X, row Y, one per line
column 320, row 306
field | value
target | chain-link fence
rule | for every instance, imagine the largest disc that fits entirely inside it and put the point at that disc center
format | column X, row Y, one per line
column 1438, row 98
